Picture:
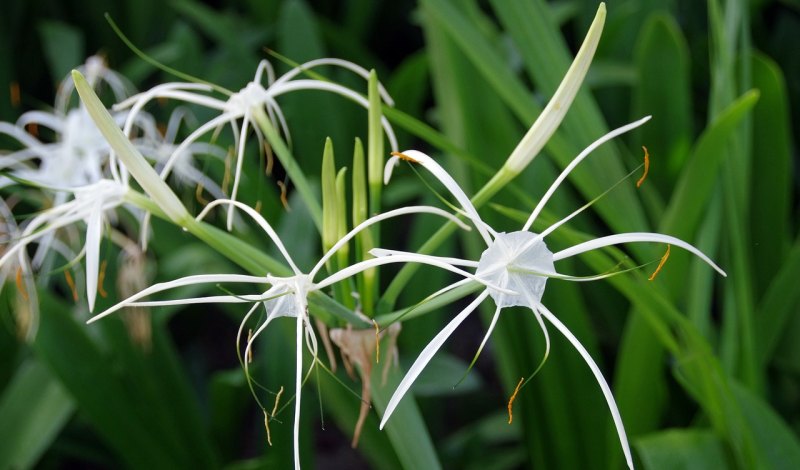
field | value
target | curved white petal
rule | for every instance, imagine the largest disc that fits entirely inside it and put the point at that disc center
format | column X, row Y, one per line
column 403, row 258
column 339, row 90
column 426, row 355
column 94, row 231
column 382, row 252
column 375, row 219
column 184, row 281
column 598, row 375
column 437, row 171
column 634, row 237
column 260, row 220
column 581, row 156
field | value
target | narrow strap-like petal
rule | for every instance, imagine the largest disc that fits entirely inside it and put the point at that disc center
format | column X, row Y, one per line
column 634, row 237
column 426, row 355
column 585, row 153
column 598, row 375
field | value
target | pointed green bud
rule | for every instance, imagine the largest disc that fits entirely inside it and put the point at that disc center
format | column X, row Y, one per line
column 375, row 151
column 330, row 222
column 552, row 115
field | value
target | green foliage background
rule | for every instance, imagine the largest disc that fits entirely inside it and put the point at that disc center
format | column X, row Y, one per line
column 706, row 371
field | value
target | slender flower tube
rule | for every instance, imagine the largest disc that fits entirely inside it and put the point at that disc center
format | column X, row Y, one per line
column 521, row 262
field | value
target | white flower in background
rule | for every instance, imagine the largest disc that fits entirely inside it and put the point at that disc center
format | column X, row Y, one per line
column 89, row 205
column 246, row 105
column 520, row 263
column 78, row 154
column 159, row 149
column 287, row 296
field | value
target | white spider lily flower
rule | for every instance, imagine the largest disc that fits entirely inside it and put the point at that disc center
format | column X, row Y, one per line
column 160, row 149
column 245, row 105
column 97, row 73
column 77, row 156
column 521, row 262
column 287, row 296
column 90, row 205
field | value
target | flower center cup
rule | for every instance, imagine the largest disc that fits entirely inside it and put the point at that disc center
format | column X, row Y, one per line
column 514, row 261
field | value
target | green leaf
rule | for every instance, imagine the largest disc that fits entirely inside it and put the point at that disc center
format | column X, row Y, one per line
column 682, row 449
column 770, row 173
column 63, row 47
column 776, row 446
column 661, row 51
column 33, row 409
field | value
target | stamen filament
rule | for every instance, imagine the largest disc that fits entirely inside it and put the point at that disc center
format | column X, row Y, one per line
column 377, row 342
column 20, row 285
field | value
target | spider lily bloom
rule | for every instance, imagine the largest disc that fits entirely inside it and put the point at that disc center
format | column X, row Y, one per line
column 287, row 296
column 248, row 104
column 90, row 204
column 160, row 148
column 521, row 262
column 78, row 154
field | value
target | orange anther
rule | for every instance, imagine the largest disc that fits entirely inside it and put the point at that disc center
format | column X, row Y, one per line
column 15, row 94
column 20, row 285
column 100, row 278
column 404, row 157
column 646, row 167
column 71, row 284
column 249, row 351
column 660, row 265
column 511, row 400
column 284, row 200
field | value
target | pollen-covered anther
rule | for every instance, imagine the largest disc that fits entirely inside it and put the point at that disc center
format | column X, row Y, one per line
column 250, row 350
column 71, row 284
column 20, row 285
column 101, row 276
column 646, row 167
column 660, row 265
column 511, row 400
column 404, row 157
column 284, row 199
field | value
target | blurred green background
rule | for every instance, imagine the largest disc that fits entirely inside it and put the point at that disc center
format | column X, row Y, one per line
column 706, row 370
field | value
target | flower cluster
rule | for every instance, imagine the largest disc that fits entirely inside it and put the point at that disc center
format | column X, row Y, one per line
column 83, row 175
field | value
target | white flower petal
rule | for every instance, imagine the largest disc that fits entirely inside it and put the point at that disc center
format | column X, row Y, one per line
column 634, row 237
column 598, row 375
column 94, row 231
column 585, row 153
column 260, row 220
column 184, row 281
column 375, row 219
column 436, row 170
column 426, row 355
column 382, row 252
